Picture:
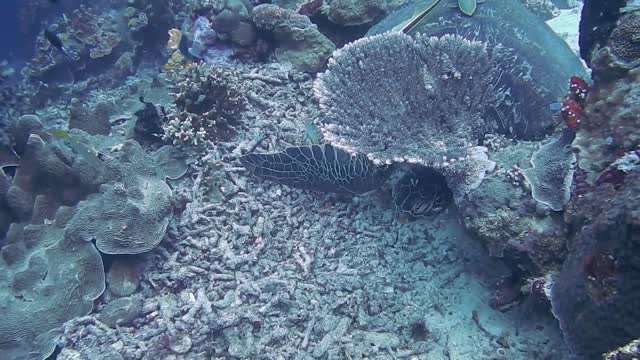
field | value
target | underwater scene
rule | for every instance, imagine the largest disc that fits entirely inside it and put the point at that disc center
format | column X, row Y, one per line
column 320, row 179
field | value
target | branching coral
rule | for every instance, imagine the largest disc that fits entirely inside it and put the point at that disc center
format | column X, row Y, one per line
column 209, row 103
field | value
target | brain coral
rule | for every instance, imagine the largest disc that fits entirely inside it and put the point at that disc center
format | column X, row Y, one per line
column 47, row 279
column 397, row 99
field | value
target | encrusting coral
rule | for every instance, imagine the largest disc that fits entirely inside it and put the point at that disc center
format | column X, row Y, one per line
column 136, row 205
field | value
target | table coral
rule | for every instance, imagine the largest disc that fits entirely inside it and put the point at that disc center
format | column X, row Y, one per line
column 426, row 109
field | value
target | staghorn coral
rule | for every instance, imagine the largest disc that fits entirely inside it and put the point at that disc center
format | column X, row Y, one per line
column 299, row 40
column 208, row 106
column 426, row 109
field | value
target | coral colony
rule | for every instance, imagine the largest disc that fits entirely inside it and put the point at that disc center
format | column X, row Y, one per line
column 320, row 179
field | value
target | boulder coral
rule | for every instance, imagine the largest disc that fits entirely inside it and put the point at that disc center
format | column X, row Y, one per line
column 298, row 40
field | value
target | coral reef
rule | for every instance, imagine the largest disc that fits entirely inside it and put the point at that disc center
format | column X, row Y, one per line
column 209, row 102
column 299, row 41
column 90, row 35
column 264, row 269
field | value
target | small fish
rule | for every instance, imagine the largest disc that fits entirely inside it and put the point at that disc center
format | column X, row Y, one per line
column 555, row 107
column 55, row 40
column 60, row 134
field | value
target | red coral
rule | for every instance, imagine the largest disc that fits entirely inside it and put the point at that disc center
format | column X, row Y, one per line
column 572, row 113
column 573, row 103
column 578, row 89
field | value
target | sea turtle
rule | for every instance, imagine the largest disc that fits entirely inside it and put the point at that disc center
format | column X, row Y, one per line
column 416, row 191
column 534, row 63
column 539, row 66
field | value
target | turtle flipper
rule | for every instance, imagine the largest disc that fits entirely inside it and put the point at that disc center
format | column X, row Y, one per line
column 468, row 7
column 322, row 168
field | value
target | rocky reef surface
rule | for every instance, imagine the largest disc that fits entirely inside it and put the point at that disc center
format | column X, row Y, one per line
column 227, row 179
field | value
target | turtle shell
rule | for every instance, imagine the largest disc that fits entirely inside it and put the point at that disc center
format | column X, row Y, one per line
column 536, row 71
